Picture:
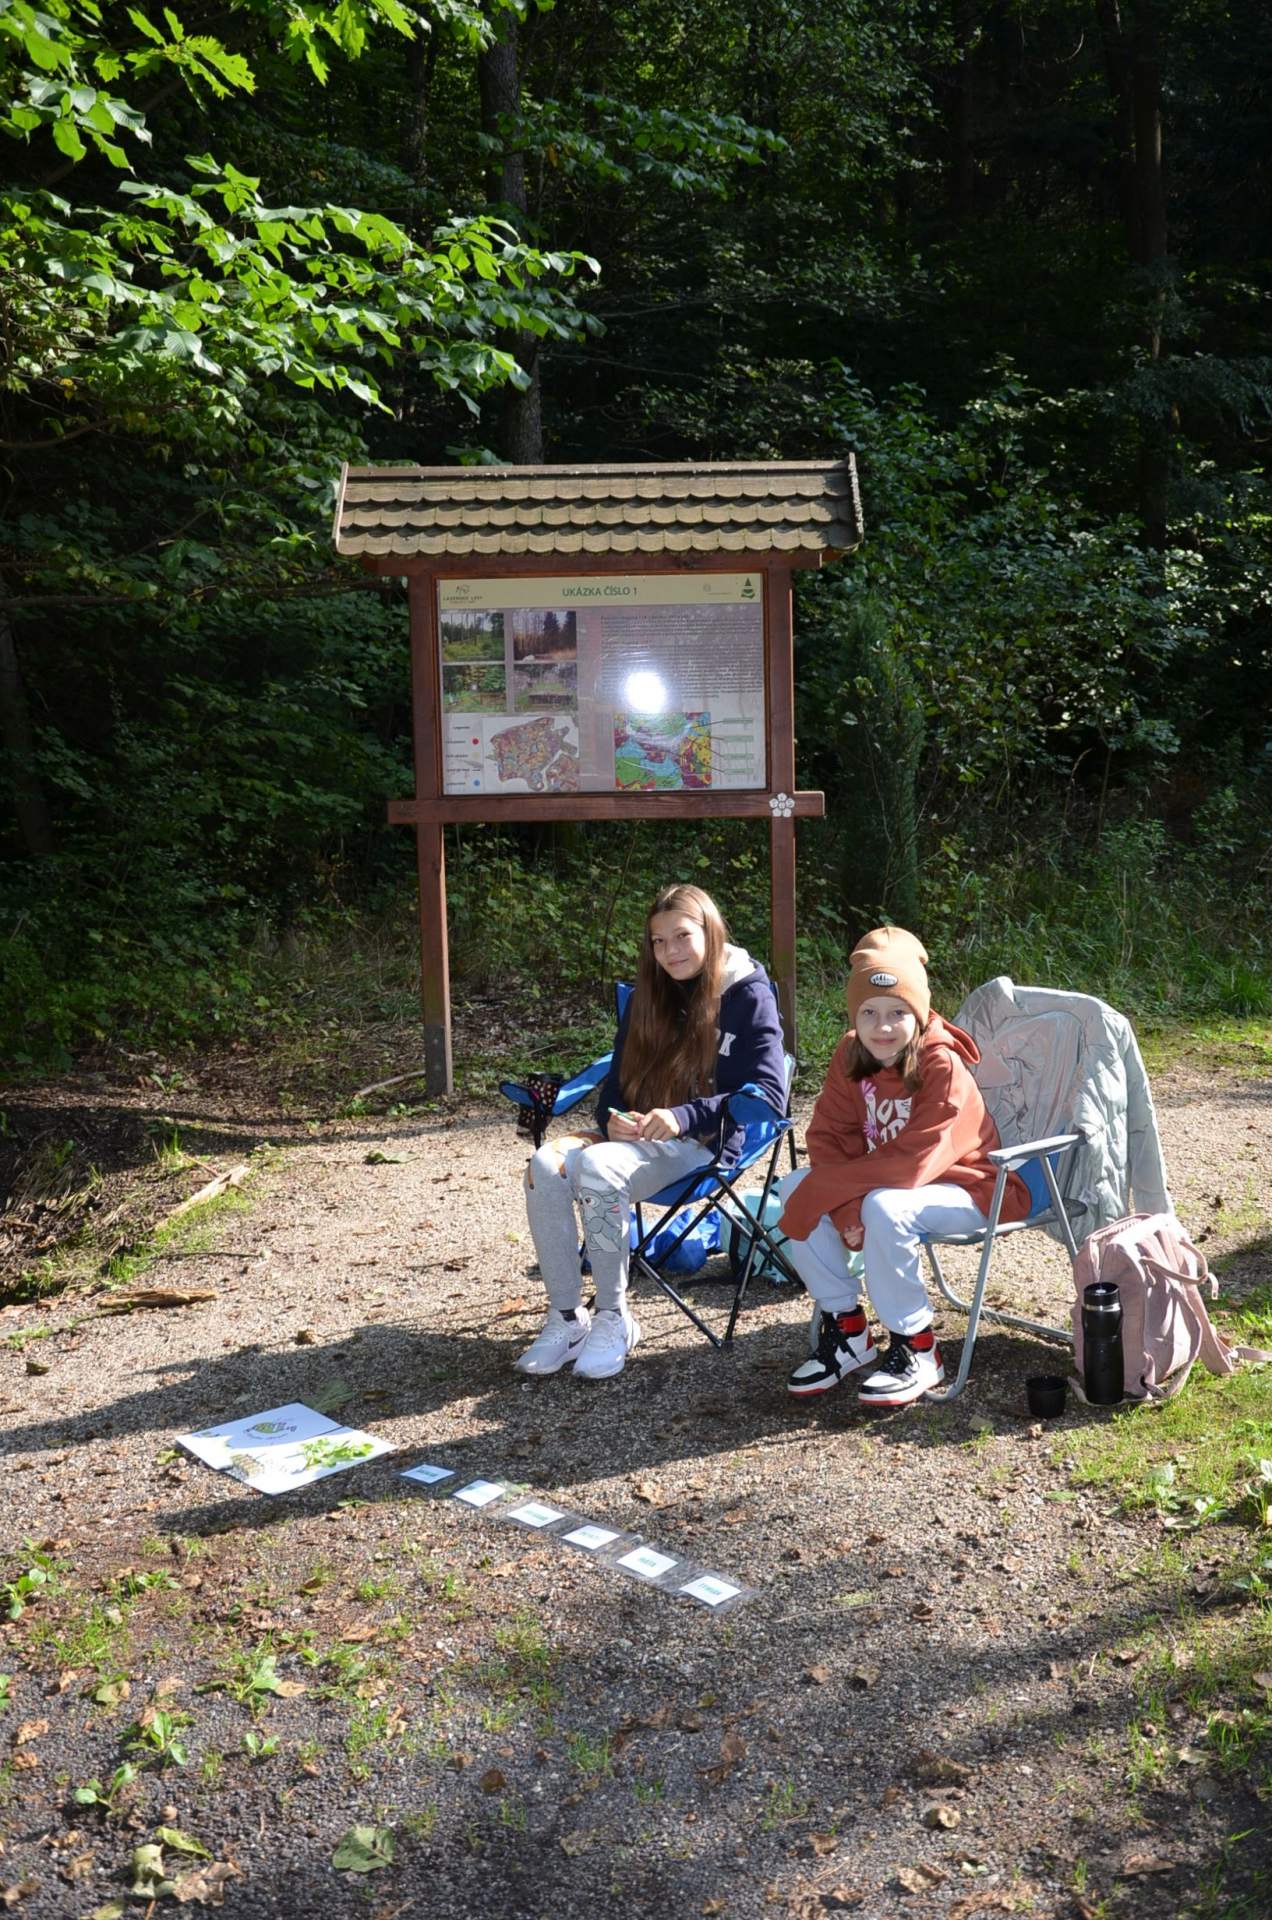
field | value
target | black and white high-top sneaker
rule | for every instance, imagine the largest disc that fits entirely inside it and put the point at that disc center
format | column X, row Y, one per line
column 843, row 1346
column 907, row 1370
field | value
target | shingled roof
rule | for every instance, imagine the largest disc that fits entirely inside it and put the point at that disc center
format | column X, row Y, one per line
column 763, row 506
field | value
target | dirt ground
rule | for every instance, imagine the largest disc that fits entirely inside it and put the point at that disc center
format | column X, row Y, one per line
column 933, row 1704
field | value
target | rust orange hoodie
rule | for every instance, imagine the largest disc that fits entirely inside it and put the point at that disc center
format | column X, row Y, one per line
column 875, row 1133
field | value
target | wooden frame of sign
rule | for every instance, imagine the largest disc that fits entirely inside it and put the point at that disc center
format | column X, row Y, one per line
column 433, row 808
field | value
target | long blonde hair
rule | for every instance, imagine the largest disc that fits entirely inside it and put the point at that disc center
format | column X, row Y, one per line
column 669, row 1055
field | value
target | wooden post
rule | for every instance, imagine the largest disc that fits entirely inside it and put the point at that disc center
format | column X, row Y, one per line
column 430, row 850
column 780, row 657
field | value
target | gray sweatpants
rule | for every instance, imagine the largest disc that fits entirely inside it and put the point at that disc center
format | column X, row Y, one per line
column 604, row 1180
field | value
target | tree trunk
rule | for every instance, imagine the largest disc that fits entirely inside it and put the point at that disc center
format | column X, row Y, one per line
column 499, row 82
column 34, row 825
column 1133, row 61
column 961, row 172
column 421, row 64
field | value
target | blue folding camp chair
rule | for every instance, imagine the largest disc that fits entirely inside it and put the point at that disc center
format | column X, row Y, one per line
column 707, row 1189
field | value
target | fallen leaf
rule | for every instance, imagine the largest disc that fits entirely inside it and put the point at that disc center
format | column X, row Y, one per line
column 305, row 1337
column 842, row 1899
column 19, row 1891
column 364, row 1850
column 112, row 1910
column 205, row 1884
column 582, row 1840
column 1141, row 1863
column 30, row 1730
column 147, row 1870
column 817, row 1676
column 37, row 1366
column 932, row 1769
column 24, row 1762
column 111, row 1692
column 492, row 1781
column 378, row 1158
column 718, row 1905
column 289, row 1689
column 506, row 1308
column 77, row 1867
column 918, row 1879
column 922, row 1610
column 647, row 1491
column 360, row 1630
column 823, row 1843
column 945, row 1818
column 1263, row 1680
column 863, row 1677
column 183, row 1842
column 732, row 1750
column 890, row 1796
column 689, row 1722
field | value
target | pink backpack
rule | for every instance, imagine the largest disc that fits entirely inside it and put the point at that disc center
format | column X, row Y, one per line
column 1160, row 1275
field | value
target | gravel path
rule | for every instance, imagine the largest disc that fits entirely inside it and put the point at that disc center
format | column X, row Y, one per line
column 930, row 1706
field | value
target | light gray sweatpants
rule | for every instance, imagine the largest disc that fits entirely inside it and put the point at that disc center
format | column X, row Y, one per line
column 604, row 1180
column 893, row 1219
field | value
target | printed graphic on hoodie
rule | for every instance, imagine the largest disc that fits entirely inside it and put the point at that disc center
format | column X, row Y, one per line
column 884, row 1118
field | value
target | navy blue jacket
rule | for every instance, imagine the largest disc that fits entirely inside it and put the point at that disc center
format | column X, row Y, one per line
column 751, row 1053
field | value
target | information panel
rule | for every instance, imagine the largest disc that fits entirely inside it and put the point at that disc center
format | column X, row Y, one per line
column 603, row 684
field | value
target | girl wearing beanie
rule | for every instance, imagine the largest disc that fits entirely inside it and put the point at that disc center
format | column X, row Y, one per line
column 898, row 1144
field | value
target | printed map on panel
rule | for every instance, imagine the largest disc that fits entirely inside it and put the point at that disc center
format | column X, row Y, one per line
column 541, row 752
column 662, row 750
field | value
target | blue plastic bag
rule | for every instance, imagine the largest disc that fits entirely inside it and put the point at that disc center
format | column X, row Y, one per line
column 694, row 1250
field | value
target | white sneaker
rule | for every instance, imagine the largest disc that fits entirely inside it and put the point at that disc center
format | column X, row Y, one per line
column 560, row 1341
column 614, row 1334
column 843, row 1347
column 904, row 1374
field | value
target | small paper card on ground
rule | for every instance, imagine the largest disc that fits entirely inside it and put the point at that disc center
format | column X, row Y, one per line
column 534, row 1513
column 283, row 1448
column 590, row 1538
column 480, row 1493
column 711, row 1589
column 428, row 1473
column 646, row 1562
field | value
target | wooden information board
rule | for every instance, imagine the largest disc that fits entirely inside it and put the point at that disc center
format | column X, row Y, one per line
column 585, row 685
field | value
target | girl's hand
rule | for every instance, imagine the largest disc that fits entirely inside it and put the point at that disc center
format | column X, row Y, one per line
column 624, row 1126
column 659, row 1124
column 854, row 1238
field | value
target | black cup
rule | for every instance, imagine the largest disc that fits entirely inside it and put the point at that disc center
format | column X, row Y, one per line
column 1046, row 1394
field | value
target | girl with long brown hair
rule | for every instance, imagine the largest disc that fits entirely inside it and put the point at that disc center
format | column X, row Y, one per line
column 702, row 1022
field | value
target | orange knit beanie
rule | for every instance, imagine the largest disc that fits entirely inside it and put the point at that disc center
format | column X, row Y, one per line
column 890, row 961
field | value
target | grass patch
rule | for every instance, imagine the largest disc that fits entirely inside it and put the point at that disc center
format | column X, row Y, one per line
column 83, row 1261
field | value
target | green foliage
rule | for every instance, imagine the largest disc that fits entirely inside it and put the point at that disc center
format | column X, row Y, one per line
column 863, row 735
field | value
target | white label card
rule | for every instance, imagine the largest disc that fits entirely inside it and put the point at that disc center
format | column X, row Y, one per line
column 535, row 1514
column 707, row 1587
column 428, row 1474
column 480, row 1493
column 646, row 1562
column 590, row 1537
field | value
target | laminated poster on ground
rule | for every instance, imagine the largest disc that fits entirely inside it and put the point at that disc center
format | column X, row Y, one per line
column 283, row 1448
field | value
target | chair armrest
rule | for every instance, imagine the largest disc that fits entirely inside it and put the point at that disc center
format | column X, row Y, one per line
column 747, row 1105
column 1032, row 1149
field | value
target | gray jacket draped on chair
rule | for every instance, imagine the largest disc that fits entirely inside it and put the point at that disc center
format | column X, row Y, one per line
column 1067, row 1063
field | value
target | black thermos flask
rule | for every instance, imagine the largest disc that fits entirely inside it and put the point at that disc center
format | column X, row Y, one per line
column 1102, row 1369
